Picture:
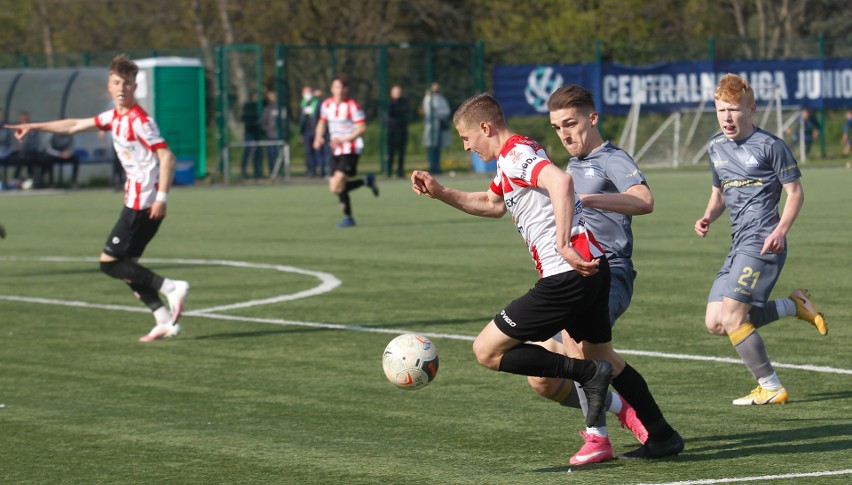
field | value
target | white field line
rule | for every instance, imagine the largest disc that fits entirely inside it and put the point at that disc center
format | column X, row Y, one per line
column 710, row 481
column 328, row 283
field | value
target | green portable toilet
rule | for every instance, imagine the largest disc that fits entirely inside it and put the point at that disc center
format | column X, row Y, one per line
column 171, row 90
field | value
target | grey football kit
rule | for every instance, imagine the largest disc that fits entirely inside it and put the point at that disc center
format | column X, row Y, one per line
column 610, row 170
column 751, row 174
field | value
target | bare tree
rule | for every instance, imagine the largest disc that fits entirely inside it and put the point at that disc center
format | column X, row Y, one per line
column 46, row 30
column 194, row 9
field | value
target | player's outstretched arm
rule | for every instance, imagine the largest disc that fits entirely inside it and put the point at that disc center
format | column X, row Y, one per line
column 483, row 204
column 68, row 126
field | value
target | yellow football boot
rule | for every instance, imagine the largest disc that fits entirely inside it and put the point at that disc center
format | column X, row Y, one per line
column 805, row 310
column 760, row 396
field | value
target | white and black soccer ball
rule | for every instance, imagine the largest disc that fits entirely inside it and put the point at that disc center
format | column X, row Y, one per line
column 410, row 361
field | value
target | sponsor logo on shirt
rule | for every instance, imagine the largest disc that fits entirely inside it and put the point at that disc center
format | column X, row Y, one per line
column 515, row 155
column 742, row 183
column 525, row 166
column 507, row 319
column 751, row 162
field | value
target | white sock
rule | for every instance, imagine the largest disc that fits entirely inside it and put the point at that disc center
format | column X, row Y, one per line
column 162, row 315
column 616, row 404
column 168, row 286
column 770, row 383
column 600, row 431
column 786, row 307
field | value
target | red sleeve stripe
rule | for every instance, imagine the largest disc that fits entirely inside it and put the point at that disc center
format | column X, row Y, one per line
column 536, row 170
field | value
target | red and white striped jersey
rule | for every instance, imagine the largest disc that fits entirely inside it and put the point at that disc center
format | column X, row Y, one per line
column 136, row 139
column 341, row 119
column 518, row 166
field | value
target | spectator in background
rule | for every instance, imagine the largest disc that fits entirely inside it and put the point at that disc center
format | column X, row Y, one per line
column 5, row 148
column 308, row 117
column 808, row 127
column 847, row 143
column 269, row 121
column 325, row 151
column 26, row 155
column 59, row 152
column 5, row 138
column 252, row 132
column 397, row 130
column 436, row 125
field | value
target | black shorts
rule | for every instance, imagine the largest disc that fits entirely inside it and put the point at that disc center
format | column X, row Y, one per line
column 567, row 301
column 131, row 234
column 347, row 164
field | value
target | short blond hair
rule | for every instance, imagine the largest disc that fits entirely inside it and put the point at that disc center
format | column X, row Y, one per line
column 479, row 108
column 734, row 89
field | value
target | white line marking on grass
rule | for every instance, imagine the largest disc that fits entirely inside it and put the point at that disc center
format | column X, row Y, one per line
column 757, row 478
column 727, row 360
column 328, row 283
column 71, row 303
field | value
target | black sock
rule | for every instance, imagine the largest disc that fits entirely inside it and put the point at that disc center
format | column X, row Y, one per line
column 149, row 296
column 633, row 388
column 343, row 197
column 132, row 274
column 534, row 360
column 354, row 184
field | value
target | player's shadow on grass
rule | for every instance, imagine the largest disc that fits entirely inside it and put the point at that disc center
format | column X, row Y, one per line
column 825, row 396
column 815, row 439
column 420, row 323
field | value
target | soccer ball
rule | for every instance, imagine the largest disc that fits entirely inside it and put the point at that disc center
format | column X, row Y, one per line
column 410, row 361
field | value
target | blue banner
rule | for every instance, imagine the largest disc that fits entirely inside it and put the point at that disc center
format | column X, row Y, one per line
column 666, row 87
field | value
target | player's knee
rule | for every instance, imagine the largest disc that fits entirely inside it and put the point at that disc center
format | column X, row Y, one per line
column 486, row 356
column 714, row 326
column 543, row 386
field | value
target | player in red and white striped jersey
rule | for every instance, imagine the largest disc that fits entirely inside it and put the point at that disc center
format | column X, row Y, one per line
column 149, row 165
column 345, row 122
column 572, row 293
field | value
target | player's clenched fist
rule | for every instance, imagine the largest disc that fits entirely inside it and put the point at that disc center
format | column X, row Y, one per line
column 424, row 184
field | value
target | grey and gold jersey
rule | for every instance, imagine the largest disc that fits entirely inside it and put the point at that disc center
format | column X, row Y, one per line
column 751, row 174
column 607, row 170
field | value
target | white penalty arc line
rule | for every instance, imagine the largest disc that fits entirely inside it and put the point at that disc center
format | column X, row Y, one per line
column 711, row 481
column 329, row 282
